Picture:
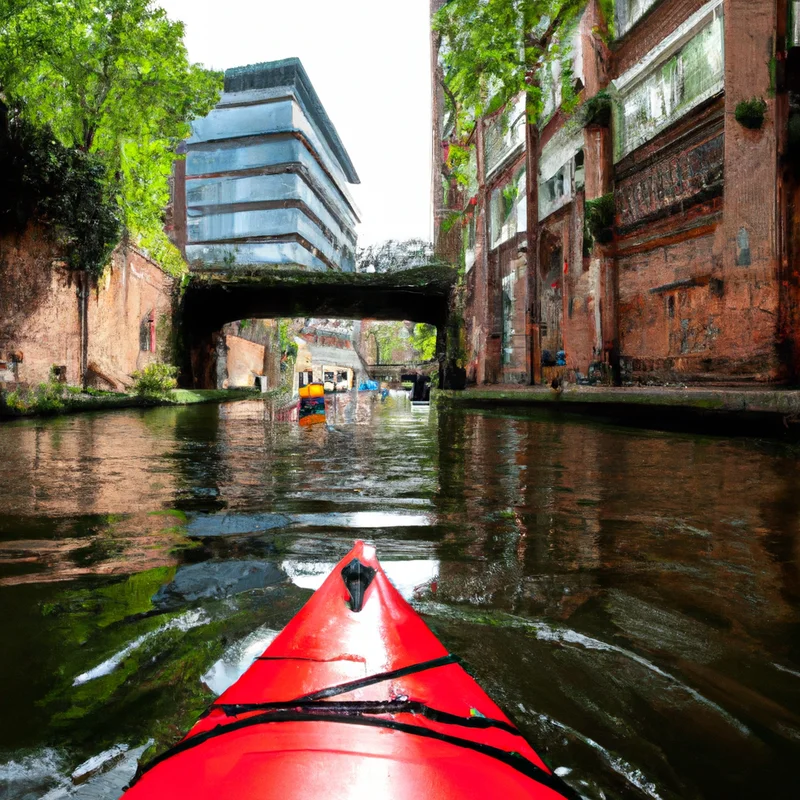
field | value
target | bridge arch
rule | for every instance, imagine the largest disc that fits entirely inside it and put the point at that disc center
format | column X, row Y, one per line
column 213, row 298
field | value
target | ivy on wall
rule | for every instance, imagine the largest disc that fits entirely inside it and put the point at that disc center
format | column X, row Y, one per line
column 42, row 180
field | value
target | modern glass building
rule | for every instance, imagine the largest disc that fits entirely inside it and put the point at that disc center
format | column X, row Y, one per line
column 266, row 178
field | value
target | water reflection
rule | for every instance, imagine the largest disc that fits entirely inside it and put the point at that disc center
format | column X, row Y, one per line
column 631, row 597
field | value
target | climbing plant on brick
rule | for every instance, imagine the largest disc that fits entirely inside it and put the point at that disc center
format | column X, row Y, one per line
column 62, row 189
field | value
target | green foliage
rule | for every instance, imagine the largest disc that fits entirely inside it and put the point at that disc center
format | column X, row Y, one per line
column 750, row 113
column 493, row 50
column 510, row 194
column 599, row 217
column 157, row 245
column 63, row 189
column 46, row 398
column 112, row 78
column 155, row 380
column 423, row 340
column 391, row 341
column 597, row 110
column 288, row 345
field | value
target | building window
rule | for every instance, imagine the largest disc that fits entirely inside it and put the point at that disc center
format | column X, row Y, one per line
column 508, row 317
column 147, row 333
column 507, row 209
column 561, row 162
column 682, row 72
column 470, row 237
column 555, row 191
column 503, row 136
column 628, row 12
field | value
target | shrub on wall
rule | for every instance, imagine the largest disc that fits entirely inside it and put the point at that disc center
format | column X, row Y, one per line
column 750, row 113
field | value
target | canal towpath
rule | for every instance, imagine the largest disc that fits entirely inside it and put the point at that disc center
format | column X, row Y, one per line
column 727, row 409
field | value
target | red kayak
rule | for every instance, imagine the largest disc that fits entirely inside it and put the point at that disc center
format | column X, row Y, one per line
column 355, row 698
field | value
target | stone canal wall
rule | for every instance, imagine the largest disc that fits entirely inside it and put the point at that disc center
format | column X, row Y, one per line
column 50, row 316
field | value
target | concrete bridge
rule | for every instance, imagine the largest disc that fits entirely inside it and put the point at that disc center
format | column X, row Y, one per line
column 215, row 297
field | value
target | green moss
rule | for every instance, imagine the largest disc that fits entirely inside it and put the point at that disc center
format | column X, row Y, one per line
column 597, row 110
column 750, row 113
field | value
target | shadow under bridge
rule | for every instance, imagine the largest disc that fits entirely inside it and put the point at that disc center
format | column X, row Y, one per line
column 213, row 298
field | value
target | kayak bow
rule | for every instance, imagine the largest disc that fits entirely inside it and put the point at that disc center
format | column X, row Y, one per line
column 355, row 698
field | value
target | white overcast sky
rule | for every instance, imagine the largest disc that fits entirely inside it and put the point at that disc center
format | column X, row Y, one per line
column 368, row 61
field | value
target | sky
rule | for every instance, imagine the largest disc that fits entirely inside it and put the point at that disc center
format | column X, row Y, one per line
column 369, row 63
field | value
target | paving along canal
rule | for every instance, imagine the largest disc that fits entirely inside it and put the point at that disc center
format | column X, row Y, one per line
column 629, row 597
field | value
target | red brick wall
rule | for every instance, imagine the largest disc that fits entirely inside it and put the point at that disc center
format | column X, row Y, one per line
column 40, row 314
column 131, row 288
column 38, row 309
column 691, row 288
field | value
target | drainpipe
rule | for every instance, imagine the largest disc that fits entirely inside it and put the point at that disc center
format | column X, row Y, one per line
column 83, row 317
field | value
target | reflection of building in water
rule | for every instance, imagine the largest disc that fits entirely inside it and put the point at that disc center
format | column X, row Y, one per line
column 325, row 354
column 83, row 494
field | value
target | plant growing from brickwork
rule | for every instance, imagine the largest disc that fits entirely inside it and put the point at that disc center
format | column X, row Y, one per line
column 750, row 113
column 596, row 110
column 599, row 216
column 111, row 78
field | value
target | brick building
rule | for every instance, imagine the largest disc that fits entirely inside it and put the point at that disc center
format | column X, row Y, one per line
column 688, row 271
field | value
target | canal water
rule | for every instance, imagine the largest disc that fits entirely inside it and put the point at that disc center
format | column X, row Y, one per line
column 629, row 597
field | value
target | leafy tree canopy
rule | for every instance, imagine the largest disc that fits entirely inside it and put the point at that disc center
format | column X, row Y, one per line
column 423, row 340
column 494, row 50
column 110, row 77
column 60, row 187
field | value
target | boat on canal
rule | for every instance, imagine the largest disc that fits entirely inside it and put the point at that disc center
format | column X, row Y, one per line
column 311, row 407
column 355, row 698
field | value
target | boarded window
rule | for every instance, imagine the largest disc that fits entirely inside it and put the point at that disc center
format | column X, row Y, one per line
column 670, row 87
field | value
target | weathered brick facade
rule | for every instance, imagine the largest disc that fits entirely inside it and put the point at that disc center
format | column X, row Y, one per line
column 697, row 280
column 51, row 317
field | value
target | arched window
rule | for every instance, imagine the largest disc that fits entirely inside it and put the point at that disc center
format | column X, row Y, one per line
column 147, row 333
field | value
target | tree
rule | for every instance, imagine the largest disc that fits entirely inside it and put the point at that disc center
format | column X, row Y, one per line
column 391, row 255
column 492, row 52
column 423, row 340
column 110, row 77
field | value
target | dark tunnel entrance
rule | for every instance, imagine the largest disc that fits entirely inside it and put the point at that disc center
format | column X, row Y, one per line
column 210, row 301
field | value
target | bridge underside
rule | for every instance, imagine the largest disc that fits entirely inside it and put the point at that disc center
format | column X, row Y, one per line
column 213, row 299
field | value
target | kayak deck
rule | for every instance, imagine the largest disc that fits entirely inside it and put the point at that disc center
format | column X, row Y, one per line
column 355, row 698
